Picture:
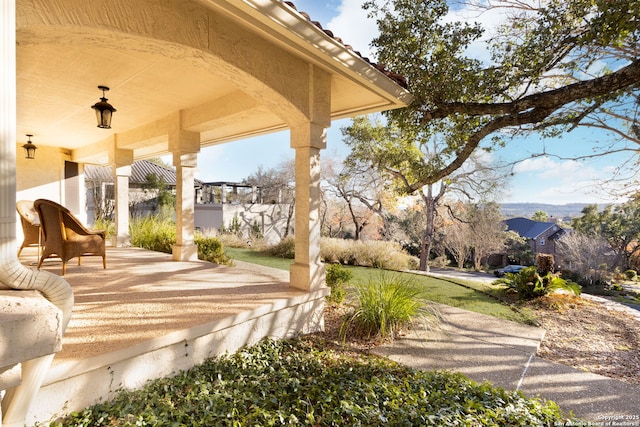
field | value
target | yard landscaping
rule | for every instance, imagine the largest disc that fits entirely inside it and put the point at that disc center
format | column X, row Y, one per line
column 579, row 332
column 322, row 380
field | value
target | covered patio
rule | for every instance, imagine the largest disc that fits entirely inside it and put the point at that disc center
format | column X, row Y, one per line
column 146, row 317
column 183, row 75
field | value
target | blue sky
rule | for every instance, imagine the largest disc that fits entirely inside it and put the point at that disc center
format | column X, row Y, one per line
column 541, row 179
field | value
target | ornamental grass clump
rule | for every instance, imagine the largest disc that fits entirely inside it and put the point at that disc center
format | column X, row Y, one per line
column 386, row 304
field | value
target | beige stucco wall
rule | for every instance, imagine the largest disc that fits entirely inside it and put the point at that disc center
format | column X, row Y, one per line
column 43, row 178
column 271, row 218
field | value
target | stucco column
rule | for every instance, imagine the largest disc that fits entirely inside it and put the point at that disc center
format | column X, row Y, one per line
column 121, row 161
column 185, row 146
column 185, row 249
column 307, row 272
column 8, row 131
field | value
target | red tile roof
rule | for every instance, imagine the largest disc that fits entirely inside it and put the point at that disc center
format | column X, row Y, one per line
column 398, row 78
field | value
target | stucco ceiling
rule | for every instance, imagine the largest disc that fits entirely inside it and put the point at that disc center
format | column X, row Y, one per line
column 58, row 75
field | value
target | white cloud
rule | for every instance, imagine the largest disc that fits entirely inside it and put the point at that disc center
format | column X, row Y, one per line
column 546, row 180
column 535, row 164
column 354, row 27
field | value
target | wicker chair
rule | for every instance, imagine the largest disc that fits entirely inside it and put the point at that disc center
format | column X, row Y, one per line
column 30, row 224
column 66, row 237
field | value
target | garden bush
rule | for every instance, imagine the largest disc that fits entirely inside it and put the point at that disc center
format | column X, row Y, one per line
column 155, row 234
column 107, row 225
column 529, row 284
column 370, row 253
column 210, row 249
column 286, row 248
column 152, row 233
column 631, row 274
column 386, row 304
column 302, row 382
column 337, row 277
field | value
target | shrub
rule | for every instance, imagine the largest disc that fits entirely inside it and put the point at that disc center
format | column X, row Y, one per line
column 337, row 277
column 371, row 253
column 155, row 234
column 210, row 249
column 105, row 224
column 545, row 263
column 631, row 274
column 286, row 248
column 387, row 304
column 528, row 284
column 152, row 233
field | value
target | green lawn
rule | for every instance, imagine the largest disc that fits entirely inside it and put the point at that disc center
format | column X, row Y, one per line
column 467, row 295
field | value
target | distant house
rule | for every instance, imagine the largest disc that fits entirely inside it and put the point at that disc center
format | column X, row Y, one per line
column 99, row 185
column 234, row 207
column 542, row 236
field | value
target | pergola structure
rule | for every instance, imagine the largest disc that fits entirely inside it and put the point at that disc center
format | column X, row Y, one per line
column 183, row 75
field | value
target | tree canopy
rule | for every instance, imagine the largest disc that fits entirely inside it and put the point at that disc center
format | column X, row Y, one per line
column 551, row 66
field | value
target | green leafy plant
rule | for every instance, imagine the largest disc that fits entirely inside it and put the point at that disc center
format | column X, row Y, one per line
column 210, row 249
column 156, row 234
column 302, row 382
column 105, row 224
column 286, row 248
column 631, row 274
column 529, row 284
column 337, row 277
column 234, row 227
column 386, row 304
column 153, row 233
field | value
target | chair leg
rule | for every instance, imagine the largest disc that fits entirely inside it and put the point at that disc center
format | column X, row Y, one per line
column 64, row 267
column 79, row 260
column 104, row 262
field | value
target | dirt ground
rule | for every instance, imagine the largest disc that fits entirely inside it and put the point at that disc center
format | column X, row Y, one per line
column 589, row 336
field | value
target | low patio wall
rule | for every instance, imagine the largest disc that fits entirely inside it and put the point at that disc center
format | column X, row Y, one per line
column 74, row 385
column 30, row 327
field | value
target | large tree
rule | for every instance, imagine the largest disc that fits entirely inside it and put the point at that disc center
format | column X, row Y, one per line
column 406, row 157
column 553, row 65
column 619, row 225
column 363, row 191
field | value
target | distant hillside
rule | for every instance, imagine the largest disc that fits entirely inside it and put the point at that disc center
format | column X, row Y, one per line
column 526, row 210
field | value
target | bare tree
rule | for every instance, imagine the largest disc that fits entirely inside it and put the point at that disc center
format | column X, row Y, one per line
column 585, row 254
column 456, row 241
column 277, row 185
column 487, row 228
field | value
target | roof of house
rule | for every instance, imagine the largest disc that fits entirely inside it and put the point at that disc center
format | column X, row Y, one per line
column 139, row 172
column 529, row 228
column 397, row 78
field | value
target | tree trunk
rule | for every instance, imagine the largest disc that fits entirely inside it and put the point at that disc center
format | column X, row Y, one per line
column 427, row 239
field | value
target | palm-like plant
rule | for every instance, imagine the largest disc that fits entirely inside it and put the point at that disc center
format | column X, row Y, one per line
column 529, row 284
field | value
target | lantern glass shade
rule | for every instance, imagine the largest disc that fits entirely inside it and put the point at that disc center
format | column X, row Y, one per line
column 104, row 110
column 29, row 149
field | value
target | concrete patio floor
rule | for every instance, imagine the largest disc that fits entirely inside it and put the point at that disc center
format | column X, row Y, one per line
column 146, row 316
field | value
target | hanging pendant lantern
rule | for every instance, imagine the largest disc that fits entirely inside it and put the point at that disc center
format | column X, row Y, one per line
column 104, row 110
